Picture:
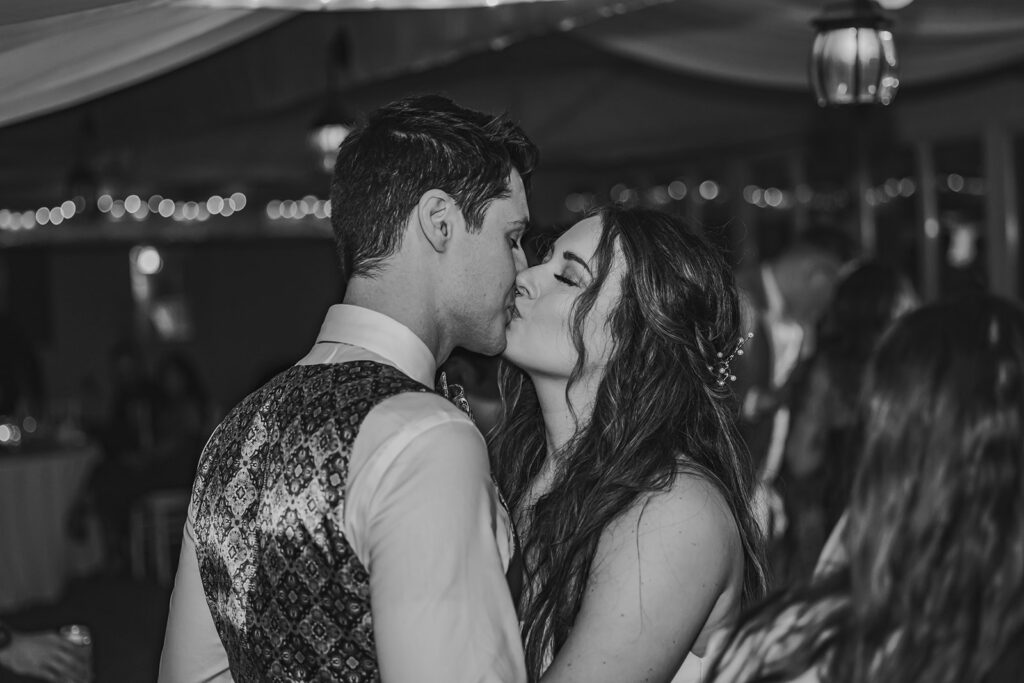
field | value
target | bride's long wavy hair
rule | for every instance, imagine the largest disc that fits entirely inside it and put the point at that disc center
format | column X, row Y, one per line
column 658, row 411
column 935, row 584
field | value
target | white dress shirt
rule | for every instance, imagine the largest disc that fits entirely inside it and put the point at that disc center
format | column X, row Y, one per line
column 787, row 335
column 787, row 340
column 422, row 515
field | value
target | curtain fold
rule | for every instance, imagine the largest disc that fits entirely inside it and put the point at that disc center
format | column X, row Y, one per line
column 59, row 53
column 766, row 43
column 54, row 62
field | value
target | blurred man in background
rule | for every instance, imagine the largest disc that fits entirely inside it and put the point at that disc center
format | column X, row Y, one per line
column 782, row 299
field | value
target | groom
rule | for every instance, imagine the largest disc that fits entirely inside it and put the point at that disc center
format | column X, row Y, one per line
column 343, row 524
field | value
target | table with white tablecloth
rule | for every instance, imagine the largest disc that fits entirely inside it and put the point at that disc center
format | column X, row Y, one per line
column 37, row 491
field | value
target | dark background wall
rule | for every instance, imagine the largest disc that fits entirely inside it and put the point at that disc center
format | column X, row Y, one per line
column 254, row 307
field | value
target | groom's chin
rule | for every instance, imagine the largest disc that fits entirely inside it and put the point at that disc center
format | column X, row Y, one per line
column 497, row 348
column 493, row 345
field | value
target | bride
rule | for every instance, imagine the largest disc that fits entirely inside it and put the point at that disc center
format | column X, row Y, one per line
column 618, row 453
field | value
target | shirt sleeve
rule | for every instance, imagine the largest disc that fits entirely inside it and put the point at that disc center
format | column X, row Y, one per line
column 193, row 652
column 434, row 537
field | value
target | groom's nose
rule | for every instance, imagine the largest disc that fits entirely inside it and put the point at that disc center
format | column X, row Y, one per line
column 526, row 283
column 519, row 256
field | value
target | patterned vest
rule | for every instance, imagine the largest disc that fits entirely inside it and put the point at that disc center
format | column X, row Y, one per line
column 289, row 597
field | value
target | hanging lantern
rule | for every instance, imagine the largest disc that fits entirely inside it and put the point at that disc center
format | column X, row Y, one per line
column 334, row 123
column 326, row 135
column 853, row 60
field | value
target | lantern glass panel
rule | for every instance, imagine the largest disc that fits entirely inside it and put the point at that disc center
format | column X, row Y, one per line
column 869, row 58
column 854, row 65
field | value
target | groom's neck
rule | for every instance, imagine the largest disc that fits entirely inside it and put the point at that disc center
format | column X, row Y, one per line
column 406, row 302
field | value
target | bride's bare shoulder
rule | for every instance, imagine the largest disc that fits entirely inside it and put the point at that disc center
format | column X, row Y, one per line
column 691, row 513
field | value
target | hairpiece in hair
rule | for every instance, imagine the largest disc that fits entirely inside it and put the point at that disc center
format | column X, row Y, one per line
column 721, row 369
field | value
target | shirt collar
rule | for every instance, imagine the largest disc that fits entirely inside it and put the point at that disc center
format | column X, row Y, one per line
column 772, row 293
column 381, row 335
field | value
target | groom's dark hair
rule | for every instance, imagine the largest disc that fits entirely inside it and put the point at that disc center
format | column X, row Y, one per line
column 407, row 148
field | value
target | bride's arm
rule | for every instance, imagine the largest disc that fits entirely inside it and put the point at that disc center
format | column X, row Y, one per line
column 659, row 571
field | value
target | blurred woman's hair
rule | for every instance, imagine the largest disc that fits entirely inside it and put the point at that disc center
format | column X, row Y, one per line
column 659, row 411
column 866, row 301
column 935, row 583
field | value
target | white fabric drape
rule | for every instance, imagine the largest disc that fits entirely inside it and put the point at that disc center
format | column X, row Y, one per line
column 37, row 490
column 52, row 62
column 59, row 53
column 347, row 5
column 62, row 52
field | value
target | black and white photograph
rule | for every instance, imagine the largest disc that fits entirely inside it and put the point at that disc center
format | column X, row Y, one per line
column 511, row 341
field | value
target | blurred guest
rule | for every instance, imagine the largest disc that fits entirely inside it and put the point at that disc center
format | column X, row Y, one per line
column 181, row 421
column 125, row 432
column 20, row 384
column 93, row 408
column 818, row 463
column 782, row 299
column 45, row 656
column 154, row 434
column 932, row 587
column 19, row 370
column 963, row 265
column 128, row 427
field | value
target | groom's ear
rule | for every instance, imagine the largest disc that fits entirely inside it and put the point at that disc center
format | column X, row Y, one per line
column 438, row 218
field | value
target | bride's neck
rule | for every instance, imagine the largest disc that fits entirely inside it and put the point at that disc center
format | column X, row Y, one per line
column 560, row 424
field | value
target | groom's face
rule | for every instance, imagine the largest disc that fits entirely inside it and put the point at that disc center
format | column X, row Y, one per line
column 488, row 261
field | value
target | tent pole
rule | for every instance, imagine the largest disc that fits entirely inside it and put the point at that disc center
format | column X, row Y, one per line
column 865, row 209
column 694, row 203
column 1002, row 225
column 743, row 225
column 797, row 180
column 928, row 206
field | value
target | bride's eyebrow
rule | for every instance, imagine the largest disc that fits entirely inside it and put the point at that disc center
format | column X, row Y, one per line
column 569, row 256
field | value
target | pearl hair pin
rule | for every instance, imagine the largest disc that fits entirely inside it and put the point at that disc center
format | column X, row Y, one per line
column 722, row 369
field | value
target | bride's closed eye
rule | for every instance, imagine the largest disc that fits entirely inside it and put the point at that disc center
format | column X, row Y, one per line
column 564, row 280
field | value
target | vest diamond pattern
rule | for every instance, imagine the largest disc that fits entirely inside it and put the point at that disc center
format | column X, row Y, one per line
column 289, row 597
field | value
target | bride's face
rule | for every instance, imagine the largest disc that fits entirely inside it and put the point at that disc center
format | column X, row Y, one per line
column 539, row 334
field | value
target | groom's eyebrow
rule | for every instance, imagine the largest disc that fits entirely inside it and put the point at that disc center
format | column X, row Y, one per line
column 569, row 256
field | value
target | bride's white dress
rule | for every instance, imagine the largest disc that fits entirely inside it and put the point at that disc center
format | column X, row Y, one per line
column 692, row 670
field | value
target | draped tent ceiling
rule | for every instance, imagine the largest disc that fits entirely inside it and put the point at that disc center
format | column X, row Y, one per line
column 186, row 95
